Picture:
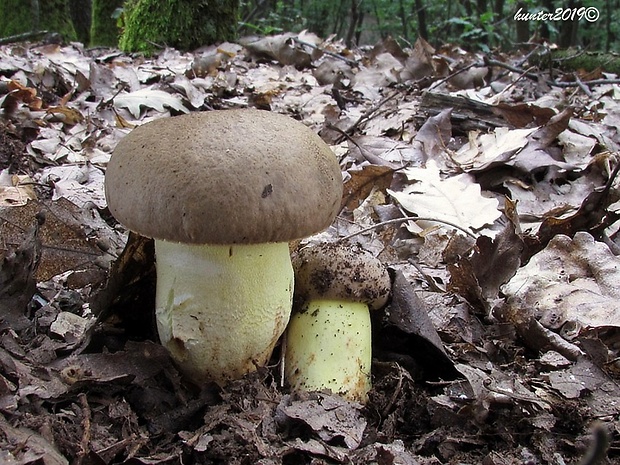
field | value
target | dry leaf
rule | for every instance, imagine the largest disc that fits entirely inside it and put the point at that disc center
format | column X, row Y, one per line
column 363, row 181
column 571, row 280
column 149, row 98
column 457, row 199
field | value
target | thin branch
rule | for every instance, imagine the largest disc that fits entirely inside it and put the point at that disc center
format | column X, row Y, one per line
column 326, row 52
column 23, row 37
column 405, row 219
column 551, row 82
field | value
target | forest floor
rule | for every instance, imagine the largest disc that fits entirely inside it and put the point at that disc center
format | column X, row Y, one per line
column 499, row 344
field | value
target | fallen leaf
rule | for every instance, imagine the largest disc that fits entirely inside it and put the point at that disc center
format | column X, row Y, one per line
column 149, row 98
column 15, row 190
column 23, row 446
column 457, row 199
column 362, row 182
column 433, row 137
column 493, row 262
column 405, row 323
column 571, row 280
column 17, row 276
column 329, row 417
column 521, row 115
column 282, row 48
column 497, row 147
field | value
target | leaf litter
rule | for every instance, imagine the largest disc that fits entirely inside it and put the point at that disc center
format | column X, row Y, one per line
column 495, row 212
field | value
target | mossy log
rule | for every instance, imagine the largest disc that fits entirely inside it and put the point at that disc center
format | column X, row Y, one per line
column 182, row 24
column 575, row 60
column 17, row 17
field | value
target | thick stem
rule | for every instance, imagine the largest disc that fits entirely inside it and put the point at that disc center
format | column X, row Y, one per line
column 220, row 309
column 328, row 346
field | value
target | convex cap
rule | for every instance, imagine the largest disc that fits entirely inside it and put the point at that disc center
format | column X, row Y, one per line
column 338, row 271
column 224, row 177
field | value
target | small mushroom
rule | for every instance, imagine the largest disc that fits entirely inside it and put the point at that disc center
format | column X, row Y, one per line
column 222, row 193
column 328, row 342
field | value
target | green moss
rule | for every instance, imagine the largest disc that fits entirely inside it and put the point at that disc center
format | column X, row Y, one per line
column 17, row 16
column 14, row 18
column 574, row 60
column 182, row 24
column 104, row 29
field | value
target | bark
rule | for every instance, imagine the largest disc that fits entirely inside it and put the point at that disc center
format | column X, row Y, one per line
column 80, row 17
column 523, row 27
column 421, row 12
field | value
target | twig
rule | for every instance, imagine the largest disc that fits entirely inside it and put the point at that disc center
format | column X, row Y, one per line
column 326, row 52
column 86, row 432
column 455, row 73
column 583, row 87
column 22, row 37
column 402, row 220
column 551, row 82
column 367, row 115
column 397, row 390
column 514, row 69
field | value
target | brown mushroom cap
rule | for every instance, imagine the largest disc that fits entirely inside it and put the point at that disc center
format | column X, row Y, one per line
column 224, row 177
column 344, row 272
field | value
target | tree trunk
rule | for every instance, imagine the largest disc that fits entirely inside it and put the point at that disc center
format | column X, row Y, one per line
column 421, row 12
column 104, row 28
column 354, row 23
column 568, row 29
column 523, row 27
column 403, row 19
column 182, row 24
column 545, row 33
column 80, row 17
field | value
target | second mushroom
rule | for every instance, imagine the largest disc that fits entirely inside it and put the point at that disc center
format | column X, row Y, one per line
column 328, row 343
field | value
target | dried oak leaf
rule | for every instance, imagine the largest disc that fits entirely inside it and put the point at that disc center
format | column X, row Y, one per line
column 330, row 417
column 23, row 446
column 405, row 330
column 492, row 263
column 571, row 280
column 457, row 199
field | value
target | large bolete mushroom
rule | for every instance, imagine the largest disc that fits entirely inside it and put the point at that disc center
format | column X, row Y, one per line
column 328, row 342
column 222, row 193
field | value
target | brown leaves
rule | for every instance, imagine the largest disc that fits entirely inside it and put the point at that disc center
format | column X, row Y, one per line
column 406, row 328
column 19, row 93
column 486, row 150
column 479, row 275
column 17, row 277
column 65, row 242
column 363, row 181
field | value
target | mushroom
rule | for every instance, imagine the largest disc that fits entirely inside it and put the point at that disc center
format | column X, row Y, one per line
column 222, row 193
column 328, row 341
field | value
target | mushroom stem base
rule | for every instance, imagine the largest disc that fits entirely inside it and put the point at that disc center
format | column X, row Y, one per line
column 328, row 346
column 220, row 309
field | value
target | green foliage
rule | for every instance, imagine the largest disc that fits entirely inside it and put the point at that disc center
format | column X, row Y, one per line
column 283, row 17
column 473, row 24
column 183, row 24
column 481, row 32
